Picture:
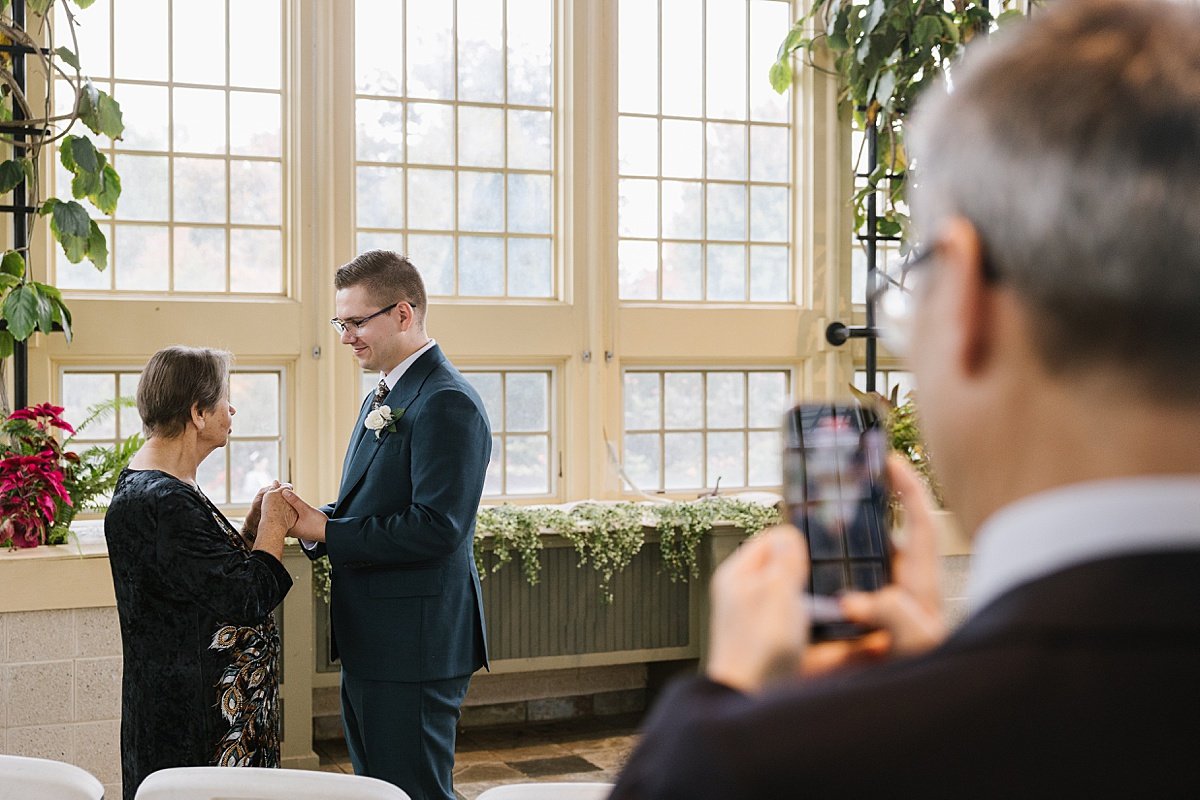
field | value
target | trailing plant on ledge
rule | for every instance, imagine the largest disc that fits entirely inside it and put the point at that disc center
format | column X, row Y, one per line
column 606, row 536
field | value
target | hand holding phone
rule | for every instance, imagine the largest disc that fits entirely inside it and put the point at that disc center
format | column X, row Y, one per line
column 836, row 493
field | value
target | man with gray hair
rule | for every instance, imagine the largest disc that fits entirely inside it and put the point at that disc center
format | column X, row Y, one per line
column 1054, row 333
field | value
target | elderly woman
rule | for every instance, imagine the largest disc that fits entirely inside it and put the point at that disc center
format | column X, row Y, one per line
column 195, row 595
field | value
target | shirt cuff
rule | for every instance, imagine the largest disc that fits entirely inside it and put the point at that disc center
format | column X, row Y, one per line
column 307, row 545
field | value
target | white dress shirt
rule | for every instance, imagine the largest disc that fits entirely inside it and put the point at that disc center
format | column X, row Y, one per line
column 1053, row 530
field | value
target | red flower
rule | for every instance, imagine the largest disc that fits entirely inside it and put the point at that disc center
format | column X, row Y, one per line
column 43, row 410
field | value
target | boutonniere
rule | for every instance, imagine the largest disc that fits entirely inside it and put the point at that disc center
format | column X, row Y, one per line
column 382, row 419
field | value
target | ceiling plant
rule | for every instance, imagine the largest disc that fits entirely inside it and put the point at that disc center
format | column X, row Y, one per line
column 883, row 54
column 29, row 125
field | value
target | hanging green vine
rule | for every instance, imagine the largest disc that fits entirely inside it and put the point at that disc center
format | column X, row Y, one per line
column 606, row 536
column 884, row 53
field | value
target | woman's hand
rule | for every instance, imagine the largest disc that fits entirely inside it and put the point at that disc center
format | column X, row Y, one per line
column 311, row 522
column 250, row 525
column 276, row 519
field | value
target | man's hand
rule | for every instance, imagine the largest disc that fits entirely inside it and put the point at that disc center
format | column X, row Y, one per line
column 310, row 524
column 250, row 525
column 759, row 622
column 908, row 611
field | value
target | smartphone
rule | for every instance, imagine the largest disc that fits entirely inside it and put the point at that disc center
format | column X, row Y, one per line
column 835, row 491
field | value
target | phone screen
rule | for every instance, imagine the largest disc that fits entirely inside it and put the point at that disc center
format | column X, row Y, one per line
column 834, row 487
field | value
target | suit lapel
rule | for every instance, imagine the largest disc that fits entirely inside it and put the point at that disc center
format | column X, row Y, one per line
column 363, row 449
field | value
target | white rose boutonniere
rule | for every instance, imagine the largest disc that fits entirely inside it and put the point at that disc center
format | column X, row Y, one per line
column 382, row 419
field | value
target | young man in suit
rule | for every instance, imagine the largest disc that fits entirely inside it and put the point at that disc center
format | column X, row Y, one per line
column 1055, row 340
column 406, row 607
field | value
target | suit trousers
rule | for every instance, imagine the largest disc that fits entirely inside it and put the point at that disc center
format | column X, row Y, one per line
column 403, row 733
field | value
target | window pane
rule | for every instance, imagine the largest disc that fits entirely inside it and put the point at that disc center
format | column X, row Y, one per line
column 682, row 148
column 768, row 399
column 211, row 477
column 726, row 459
column 144, row 187
column 530, row 37
column 527, row 402
column 726, row 400
column 255, row 124
column 379, row 46
column 380, row 126
column 726, row 213
column 726, row 58
column 480, row 137
column 380, row 197
column 195, row 27
column 682, row 58
column 529, row 140
column 488, row 386
column 255, row 41
column 529, row 198
column 480, row 50
column 140, row 30
column 256, row 192
column 145, row 259
column 430, row 36
column 200, row 190
column 434, row 257
column 683, row 272
column 430, row 133
column 638, row 207
column 684, row 400
column 199, row 121
column 253, row 465
column 638, row 268
column 726, row 148
column 481, row 201
column 770, row 21
column 684, row 460
column 481, row 266
column 768, row 273
column 436, row 190
column 642, row 401
column 527, row 465
column 642, row 460
column 637, row 145
column 726, row 272
column 765, row 459
column 81, row 391
column 145, row 112
column 530, row 268
column 255, row 261
column 256, row 397
column 199, row 259
column 682, row 212
column 639, row 56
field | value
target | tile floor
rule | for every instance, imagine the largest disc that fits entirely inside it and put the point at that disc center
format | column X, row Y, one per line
column 590, row 749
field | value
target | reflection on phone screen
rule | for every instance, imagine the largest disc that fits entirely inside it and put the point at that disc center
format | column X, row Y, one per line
column 834, row 488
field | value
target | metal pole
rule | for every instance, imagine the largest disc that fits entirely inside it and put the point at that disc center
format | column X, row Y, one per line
column 872, row 251
column 20, row 228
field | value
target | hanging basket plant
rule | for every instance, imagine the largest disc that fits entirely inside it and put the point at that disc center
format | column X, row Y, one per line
column 46, row 44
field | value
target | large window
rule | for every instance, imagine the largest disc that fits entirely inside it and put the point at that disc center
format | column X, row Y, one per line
column 202, row 158
column 610, row 206
column 695, row 429
column 703, row 143
column 454, row 122
column 230, row 476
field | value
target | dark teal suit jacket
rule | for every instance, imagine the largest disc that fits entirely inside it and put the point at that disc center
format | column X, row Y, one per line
column 406, row 603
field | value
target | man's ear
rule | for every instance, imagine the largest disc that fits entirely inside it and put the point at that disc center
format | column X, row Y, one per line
column 961, row 255
column 407, row 315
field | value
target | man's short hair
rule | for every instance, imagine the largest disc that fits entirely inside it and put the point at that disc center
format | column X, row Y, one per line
column 176, row 379
column 388, row 278
column 1072, row 143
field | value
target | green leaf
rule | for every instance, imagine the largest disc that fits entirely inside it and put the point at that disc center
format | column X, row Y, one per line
column 12, row 172
column 13, row 264
column 887, row 227
column 791, row 43
column 45, row 310
column 7, row 282
column 110, row 190
column 62, row 315
column 21, row 311
column 59, row 311
column 84, row 3
column 928, row 32
column 874, row 14
column 39, row 7
column 884, row 88
column 6, row 339
column 97, row 248
column 84, row 153
column 67, row 56
column 781, row 76
column 71, row 218
column 100, row 112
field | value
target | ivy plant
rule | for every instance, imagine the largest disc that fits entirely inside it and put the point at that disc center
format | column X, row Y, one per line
column 606, row 536
column 883, row 53
column 27, row 127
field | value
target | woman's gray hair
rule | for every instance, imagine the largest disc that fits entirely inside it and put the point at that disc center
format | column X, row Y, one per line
column 176, row 379
column 1072, row 143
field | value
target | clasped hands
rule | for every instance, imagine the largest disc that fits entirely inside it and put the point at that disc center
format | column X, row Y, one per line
column 760, row 623
column 278, row 504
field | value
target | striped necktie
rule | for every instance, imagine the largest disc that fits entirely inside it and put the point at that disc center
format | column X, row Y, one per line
column 381, row 391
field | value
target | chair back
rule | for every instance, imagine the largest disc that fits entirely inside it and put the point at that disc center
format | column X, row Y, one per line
column 549, row 791
column 258, row 783
column 23, row 778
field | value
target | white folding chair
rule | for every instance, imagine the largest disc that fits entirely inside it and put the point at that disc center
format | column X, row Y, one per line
column 257, row 783
column 22, row 778
column 549, row 791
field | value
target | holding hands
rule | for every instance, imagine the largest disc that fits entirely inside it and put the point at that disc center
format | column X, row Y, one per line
column 271, row 518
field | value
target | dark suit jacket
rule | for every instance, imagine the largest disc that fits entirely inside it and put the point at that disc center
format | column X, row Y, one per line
column 406, row 603
column 1085, row 683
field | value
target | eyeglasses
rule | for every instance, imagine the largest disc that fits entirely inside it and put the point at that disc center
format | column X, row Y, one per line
column 355, row 326
column 895, row 299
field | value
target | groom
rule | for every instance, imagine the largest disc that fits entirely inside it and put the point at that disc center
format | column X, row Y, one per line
column 407, row 614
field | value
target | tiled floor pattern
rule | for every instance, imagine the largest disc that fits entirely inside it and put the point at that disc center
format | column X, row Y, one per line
column 576, row 750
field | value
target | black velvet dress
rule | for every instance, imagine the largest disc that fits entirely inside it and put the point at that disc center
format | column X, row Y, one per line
column 201, row 672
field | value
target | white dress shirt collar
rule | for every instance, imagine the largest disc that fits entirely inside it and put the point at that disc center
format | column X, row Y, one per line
column 393, row 377
column 1060, row 528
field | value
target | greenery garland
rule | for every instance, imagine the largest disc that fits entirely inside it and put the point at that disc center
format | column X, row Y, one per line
column 605, row 535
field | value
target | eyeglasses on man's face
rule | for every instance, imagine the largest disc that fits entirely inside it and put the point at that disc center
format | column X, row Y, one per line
column 896, row 297
column 355, row 326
